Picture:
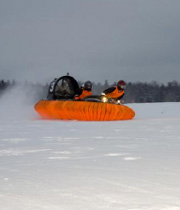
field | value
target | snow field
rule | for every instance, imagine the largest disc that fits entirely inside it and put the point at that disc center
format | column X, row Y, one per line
column 119, row 165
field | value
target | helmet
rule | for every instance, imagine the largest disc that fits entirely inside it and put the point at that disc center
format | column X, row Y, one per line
column 88, row 85
column 121, row 84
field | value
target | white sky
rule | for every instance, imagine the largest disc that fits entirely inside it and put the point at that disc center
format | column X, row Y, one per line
column 134, row 40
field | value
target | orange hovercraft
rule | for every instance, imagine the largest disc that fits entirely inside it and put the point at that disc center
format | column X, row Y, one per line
column 60, row 104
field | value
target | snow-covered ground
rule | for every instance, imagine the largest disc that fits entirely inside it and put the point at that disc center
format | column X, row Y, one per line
column 71, row 165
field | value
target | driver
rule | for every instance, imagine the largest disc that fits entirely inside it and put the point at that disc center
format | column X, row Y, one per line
column 115, row 93
column 84, row 91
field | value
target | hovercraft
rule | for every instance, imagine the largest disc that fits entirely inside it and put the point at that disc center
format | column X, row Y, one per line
column 60, row 104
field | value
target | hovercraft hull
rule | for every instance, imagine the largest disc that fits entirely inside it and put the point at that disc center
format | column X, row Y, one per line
column 82, row 110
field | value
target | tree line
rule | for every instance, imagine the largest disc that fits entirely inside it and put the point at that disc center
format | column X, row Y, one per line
column 139, row 92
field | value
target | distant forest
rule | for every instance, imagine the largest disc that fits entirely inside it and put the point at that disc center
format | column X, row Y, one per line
column 138, row 92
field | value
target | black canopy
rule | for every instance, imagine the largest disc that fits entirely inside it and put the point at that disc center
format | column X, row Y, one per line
column 65, row 87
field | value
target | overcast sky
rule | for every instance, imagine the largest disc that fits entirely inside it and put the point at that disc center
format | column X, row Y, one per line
column 134, row 40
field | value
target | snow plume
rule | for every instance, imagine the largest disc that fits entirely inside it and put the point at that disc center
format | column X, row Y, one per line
column 16, row 103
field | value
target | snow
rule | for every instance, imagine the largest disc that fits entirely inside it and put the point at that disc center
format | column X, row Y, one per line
column 71, row 165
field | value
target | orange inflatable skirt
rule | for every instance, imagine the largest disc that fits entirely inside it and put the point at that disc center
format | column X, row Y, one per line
column 82, row 110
